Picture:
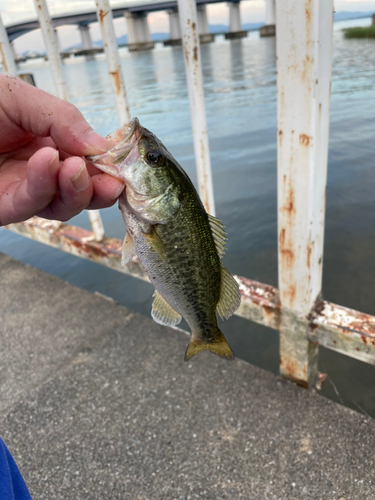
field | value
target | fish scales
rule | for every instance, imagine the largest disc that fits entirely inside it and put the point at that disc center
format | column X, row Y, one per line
column 177, row 243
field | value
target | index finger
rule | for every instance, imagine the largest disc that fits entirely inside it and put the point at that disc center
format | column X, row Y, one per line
column 33, row 111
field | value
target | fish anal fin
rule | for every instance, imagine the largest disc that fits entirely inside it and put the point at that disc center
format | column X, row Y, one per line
column 220, row 347
column 219, row 234
column 163, row 313
column 128, row 250
column 230, row 296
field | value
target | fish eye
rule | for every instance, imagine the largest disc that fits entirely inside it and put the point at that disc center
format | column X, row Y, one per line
column 153, row 157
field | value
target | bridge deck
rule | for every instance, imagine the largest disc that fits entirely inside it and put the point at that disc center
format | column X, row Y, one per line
column 85, row 18
column 96, row 402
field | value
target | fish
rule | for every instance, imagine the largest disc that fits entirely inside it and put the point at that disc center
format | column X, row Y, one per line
column 177, row 242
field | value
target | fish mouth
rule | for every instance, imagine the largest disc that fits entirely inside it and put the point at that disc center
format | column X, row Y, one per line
column 123, row 140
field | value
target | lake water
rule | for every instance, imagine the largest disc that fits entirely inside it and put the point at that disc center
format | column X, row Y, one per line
column 240, row 93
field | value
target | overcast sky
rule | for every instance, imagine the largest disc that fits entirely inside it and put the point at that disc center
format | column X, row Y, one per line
column 251, row 11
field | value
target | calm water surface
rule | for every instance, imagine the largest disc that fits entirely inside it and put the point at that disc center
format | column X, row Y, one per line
column 240, row 93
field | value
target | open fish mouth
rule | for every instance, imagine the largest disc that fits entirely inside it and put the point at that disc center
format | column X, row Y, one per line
column 123, row 139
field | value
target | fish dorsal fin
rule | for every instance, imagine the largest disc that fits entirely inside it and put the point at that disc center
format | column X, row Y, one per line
column 128, row 250
column 230, row 296
column 163, row 313
column 219, row 234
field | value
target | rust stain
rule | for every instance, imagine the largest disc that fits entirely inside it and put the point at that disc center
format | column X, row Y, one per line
column 186, row 52
column 117, row 80
column 102, row 14
column 353, row 324
column 289, row 369
column 3, row 58
column 321, row 379
column 287, row 260
column 308, row 12
column 290, row 202
column 319, row 307
column 281, row 138
column 304, row 139
column 308, row 256
column 195, row 53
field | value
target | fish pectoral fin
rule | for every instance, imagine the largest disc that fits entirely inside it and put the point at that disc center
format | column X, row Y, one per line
column 230, row 296
column 128, row 250
column 220, row 347
column 155, row 241
column 163, row 313
column 219, row 234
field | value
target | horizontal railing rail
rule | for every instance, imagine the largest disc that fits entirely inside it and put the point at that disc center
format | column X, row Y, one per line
column 336, row 327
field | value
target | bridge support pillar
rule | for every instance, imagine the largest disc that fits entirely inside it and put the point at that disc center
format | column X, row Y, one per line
column 174, row 28
column 87, row 46
column 138, row 32
column 270, row 27
column 235, row 28
column 85, row 37
column 204, row 33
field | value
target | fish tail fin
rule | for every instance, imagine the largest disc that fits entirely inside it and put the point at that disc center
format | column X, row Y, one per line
column 218, row 346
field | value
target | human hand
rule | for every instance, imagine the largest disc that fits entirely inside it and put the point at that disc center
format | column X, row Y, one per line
column 42, row 172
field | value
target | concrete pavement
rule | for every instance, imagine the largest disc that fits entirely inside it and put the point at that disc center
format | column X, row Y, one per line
column 97, row 403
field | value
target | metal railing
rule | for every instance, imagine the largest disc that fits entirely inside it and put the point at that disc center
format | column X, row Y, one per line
column 304, row 50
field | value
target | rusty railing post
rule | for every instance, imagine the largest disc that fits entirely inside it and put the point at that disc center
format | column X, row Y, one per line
column 54, row 58
column 190, row 39
column 105, row 18
column 50, row 41
column 304, row 52
column 6, row 52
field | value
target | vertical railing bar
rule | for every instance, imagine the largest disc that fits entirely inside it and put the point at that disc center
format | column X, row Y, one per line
column 54, row 58
column 105, row 18
column 96, row 224
column 6, row 51
column 50, row 41
column 304, row 61
column 190, row 39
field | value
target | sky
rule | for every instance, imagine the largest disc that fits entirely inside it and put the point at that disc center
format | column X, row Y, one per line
column 252, row 11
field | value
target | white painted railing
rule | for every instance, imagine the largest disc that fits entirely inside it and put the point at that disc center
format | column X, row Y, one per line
column 304, row 52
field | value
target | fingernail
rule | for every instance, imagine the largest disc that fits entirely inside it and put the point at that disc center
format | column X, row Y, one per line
column 52, row 160
column 119, row 191
column 98, row 142
column 81, row 180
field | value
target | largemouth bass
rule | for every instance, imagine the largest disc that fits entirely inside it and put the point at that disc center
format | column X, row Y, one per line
column 178, row 244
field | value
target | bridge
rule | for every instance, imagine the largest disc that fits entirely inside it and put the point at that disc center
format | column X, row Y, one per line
column 135, row 14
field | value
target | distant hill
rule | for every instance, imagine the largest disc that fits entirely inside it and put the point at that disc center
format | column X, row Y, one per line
column 224, row 28
column 341, row 16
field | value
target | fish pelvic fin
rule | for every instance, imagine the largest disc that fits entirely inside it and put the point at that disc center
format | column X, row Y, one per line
column 219, row 346
column 163, row 313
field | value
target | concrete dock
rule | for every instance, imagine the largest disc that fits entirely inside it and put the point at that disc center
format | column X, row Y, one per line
column 97, row 403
